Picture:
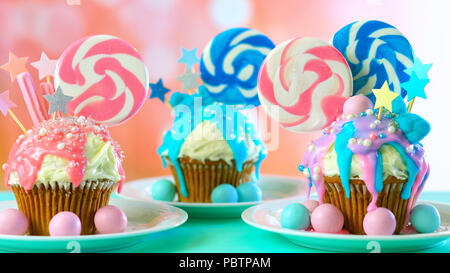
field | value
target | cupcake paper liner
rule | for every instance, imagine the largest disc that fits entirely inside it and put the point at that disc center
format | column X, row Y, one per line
column 355, row 207
column 41, row 203
column 202, row 177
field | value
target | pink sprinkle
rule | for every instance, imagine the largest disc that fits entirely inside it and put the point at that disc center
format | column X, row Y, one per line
column 373, row 136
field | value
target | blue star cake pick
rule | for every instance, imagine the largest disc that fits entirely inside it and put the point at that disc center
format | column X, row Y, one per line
column 415, row 86
column 189, row 57
column 158, row 90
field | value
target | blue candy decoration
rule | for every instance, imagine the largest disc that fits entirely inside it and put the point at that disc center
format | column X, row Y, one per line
column 376, row 52
column 249, row 192
column 230, row 64
column 414, row 127
column 425, row 218
column 191, row 110
column 224, row 193
column 398, row 105
column 295, row 216
column 163, row 190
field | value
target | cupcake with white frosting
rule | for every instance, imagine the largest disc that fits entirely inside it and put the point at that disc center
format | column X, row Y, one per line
column 68, row 164
column 208, row 146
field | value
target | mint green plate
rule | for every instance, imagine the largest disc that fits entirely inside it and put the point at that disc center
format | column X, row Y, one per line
column 144, row 218
column 267, row 217
column 273, row 187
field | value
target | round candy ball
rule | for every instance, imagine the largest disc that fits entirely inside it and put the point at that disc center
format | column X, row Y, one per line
column 249, row 192
column 311, row 205
column 13, row 222
column 380, row 221
column 110, row 219
column 224, row 193
column 327, row 218
column 65, row 223
column 295, row 216
column 425, row 218
column 163, row 190
column 356, row 105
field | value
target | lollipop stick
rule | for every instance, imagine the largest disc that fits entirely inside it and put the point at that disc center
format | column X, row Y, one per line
column 168, row 104
column 31, row 97
column 410, row 105
column 379, row 112
column 17, row 121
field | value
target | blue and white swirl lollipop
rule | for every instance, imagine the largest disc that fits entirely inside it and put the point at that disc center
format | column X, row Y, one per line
column 230, row 64
column 376, row 52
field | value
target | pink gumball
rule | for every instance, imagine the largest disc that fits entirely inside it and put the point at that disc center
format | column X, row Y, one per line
column 356, row 105
column 110, row 219
column 13, row 222
column 327, row 218
column 311, row 205
column 65, row 223
column 380, row 221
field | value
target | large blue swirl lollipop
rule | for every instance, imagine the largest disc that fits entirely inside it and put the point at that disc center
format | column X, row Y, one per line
column 376, row 52
column 230, row 64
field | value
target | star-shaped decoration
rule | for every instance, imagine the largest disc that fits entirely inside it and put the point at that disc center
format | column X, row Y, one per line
column 419, row 68
column 384, row 97
column 58, row 101
column 415, row 87
column 15, row 65
column 189, row 57
column 45, row 66
column 158, row 90
column 189, row 79
column 6, row 103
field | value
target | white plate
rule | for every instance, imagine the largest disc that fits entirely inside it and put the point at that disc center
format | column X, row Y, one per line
column 267, row 217
column 144, row 218
column 273, row 188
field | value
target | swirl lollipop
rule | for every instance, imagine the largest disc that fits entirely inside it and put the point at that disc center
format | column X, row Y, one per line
column 303, row 83
column 106, row 77
column 230, row 63
column 376, row 52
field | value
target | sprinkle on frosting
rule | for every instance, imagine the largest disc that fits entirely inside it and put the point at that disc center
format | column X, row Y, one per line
column 358, row 137
column 47, row 138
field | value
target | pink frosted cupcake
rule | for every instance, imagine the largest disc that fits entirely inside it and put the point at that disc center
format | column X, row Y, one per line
column 69, row 164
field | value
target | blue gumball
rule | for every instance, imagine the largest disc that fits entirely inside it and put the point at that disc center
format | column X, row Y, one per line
column 224, row 193
column 163, row 190
column 295, row 216
column 425, row 218
column 249, row 192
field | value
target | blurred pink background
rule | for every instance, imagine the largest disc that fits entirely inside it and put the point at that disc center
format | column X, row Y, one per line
column 158, row 29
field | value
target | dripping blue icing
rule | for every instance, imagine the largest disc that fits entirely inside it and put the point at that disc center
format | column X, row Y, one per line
column 410, row 166
column 344, row 154
column 195, row 109
column 379, row 172
column 344, row 159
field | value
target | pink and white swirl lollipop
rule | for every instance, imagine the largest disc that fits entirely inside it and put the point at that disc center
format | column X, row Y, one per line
column 303, row 83
column 106, row 77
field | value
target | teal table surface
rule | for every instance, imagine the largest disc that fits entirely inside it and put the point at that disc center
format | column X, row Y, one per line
column 231, row 236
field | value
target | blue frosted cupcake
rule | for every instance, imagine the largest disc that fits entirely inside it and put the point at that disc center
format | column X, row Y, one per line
column 208, row 145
